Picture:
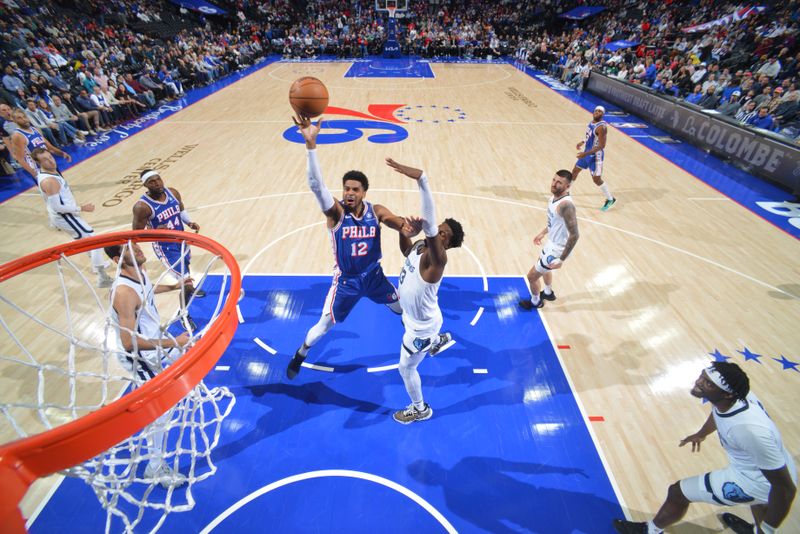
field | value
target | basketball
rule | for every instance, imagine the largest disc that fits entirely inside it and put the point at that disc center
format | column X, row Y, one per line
column 308, row 96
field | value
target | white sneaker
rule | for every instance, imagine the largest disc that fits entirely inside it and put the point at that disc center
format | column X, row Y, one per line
column 84, row 132
column 78, row 141
column 164, row 475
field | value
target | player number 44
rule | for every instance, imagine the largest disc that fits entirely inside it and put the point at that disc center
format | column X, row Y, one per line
column 358, row 249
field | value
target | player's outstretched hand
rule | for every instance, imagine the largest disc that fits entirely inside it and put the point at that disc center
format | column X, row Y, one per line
column 412, row 226
column 308, row 129
column 88, row 207
column 538, row 239
column 182, row 340
column 194, row 226
column 579, row 145
column 411, row 172
column 695, row 440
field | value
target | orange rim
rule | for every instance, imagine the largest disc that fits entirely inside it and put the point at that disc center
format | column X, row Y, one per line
column 24, row 460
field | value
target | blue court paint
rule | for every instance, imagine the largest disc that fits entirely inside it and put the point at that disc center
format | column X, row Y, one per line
column 505, row 451
column 761, row 197
column 390, row 68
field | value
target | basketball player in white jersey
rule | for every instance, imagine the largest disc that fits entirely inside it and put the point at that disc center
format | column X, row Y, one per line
column 593, row 154
column 417, row 287
column 144, row 349
column 64, row 210
column 25, row 139
column 761, row 472
column 562, row 234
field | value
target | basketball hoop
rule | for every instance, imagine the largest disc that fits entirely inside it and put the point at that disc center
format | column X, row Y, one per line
column 392, row 10
column 99, row 441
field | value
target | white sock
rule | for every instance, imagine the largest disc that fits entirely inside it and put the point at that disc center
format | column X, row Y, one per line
column 548, row 290
column 535, row 299
column 606, row 192
column 653, row 529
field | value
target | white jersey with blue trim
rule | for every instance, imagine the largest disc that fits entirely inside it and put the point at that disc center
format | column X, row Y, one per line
column 418, row 298
column 557, row 231
column 165, row 214
column 591, row 134
column 751, row 439
column 65, row 196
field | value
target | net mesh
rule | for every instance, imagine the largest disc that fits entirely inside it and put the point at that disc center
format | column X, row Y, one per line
column 63, row 357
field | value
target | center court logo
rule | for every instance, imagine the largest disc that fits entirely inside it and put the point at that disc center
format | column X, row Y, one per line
column 379, row 124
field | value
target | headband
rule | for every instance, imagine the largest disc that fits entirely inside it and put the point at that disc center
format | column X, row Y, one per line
column 716, row 377
column 601, row 108
column 149, row 174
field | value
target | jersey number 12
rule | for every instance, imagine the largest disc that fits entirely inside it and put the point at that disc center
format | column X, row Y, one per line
column 358, row 249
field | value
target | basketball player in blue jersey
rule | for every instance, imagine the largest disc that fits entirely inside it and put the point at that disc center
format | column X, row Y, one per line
column 761, row 472
column 161, row 208
column 355, row 230
column 562, row 234
column 26, row 139
column 593, row 154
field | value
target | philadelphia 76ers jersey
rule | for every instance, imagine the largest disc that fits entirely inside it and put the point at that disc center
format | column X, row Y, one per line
column 357, row 242
column 591, row 134
column 166, row 214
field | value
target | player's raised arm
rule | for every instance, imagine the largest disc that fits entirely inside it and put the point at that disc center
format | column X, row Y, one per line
column 126, row 302
column 437, row 256
column 332, row 209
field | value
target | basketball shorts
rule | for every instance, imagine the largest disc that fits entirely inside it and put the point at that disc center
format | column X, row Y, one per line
column 593, row 162
column 415, row 341
column 146, row 364
column 72, row 224
column 550, row 252
column 347, row 290
column 728, row 487
column 175, row 258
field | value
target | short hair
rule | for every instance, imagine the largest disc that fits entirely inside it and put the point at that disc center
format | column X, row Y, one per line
column 734, row 378
column 565, row 174
column 358, row 176
column 458, row 232
column 113, row 251
column 37, row 151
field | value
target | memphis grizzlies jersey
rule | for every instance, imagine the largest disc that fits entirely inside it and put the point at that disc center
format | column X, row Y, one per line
column 34, row 140
column 556, row 225
column 418, row 298
column 591, row 137
column 65, row 197
column 357, row 242
column 167, row 214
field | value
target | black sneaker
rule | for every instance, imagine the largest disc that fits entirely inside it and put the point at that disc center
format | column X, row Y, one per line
column 629, row 527
column 527, row 304
column 736, row 523
column 411, row 414
column 188, row 324
column 197, row 293
column 294, row 365
column 608, row 204
column 441, row 341
column 544, row 296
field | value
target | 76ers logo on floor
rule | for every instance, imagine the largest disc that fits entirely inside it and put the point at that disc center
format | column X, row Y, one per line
column 380, row 127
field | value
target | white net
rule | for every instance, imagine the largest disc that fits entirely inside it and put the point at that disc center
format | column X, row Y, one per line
column 63, row 355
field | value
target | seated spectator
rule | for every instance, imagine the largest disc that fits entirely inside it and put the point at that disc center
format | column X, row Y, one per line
column 62, row 115
column 72, row 134
column 696, row 95
column 86, row 117
column 49, row 129
column 762, row 119
column 746, row 112
column 709, row 100
column 730, row 106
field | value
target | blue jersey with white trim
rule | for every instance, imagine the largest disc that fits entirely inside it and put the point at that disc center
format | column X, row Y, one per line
column 591, row 137
column 34, row 140
column 357, row 242
column 167, row 214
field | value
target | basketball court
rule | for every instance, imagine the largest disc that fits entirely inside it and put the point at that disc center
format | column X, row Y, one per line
column 550, row 421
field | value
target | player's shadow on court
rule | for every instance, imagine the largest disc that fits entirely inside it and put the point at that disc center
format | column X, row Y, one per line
column 276, row 418
column 478, row 488
column 638, row 295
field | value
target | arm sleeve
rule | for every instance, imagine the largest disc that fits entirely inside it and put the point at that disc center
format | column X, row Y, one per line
column 324, row 197
column 54, row 202
column 428, row 209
